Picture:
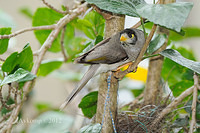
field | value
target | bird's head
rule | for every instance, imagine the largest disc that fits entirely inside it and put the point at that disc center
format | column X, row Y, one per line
column 132, row 41
column 128, row 37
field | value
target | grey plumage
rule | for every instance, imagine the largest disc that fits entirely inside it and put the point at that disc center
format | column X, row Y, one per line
column 108, row 55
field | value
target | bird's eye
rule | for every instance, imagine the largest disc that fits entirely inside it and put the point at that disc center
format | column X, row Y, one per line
column 132, row 35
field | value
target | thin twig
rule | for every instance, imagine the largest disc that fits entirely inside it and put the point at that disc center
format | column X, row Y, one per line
column 47, row 44
column 172, row 105
column 194, row 103
column 2, row 59
column 62, row 44
column 9, row 91
column 134, row 65
column 53, row 8
column 48, row 27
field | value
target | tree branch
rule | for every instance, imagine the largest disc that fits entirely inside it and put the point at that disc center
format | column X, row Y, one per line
column 194, row 103
column 48, row 27
column 47, row 44
column 62, row 44
column 173, row 104
column 53, row 8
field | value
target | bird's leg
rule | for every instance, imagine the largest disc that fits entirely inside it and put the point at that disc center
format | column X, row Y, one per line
column 118, row 69
column 127, row 64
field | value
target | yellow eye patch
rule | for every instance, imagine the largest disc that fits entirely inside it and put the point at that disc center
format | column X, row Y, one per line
column 132, row 35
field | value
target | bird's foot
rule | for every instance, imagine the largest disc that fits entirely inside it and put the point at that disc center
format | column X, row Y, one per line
column 127, row 64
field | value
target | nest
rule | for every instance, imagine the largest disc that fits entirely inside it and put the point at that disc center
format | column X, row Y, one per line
column 141, row 121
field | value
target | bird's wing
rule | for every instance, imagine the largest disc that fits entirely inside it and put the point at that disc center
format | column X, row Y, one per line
column 88, row 75
column 108, row 51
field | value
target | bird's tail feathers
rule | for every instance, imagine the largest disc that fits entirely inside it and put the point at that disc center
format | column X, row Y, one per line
column 88, row 75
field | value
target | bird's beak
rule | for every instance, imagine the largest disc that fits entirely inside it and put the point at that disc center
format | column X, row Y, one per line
column 123, row 38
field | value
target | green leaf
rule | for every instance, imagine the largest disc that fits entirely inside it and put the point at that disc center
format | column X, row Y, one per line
column 174, row 73
column 9, row 63
column 51, row 122
column 76, row 45
column 189, row 33
column 6, row 19
column 17, row 76
column 42, row 106
column 67, row 75
column 180, row 122
column 98, row 39
column 188, row 106
column 88, row 104
column 26, row 11
column 4, row 42
column 127, row 7
column 48, row 66
column 171, row 16
column 92, row 128
column 28, row 77
column 137, row 92
column 17, row 60
column 46, row 16
column 181, row 86
column 156, row 43
column 4, row 110
column 92, row 25
column 178, row 58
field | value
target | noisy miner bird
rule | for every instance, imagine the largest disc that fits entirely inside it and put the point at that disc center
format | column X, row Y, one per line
column 108, row 55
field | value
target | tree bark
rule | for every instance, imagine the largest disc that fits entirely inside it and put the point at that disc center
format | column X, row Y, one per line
column 153, row 90
column 113, row 25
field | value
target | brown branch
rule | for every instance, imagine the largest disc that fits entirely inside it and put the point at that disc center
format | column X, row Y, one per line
column 194, row 103
column 47, row 44
column 134, row 65
column 48, row 27
column 53, row 8
column 172, row 105
column 62, row 44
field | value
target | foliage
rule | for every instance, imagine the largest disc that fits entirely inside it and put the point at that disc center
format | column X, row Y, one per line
column 20, row 75
column 46, row 16
column 51, row 122
column 4, row 42
column 88, row 104
column 178, row 66
column 47, row 66
column 158, row 14
column 92, row 128
column 16, row 60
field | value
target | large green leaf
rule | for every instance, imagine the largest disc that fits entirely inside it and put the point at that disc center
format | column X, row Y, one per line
column 178, row 58
column 171, row 16
column 17, row 60
column 48, row 66
column 181, row 86
column 189, row 33
column 27, row 12
column 156, row 43
column 51, row 122
column 92, row 25
column 88, row 104
column 18, row 76
column 6, row 19
column 75, row 46
column 4, row 42
column 46, row 16
column 127, row 7
column 92, row 128
column 178, row 76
